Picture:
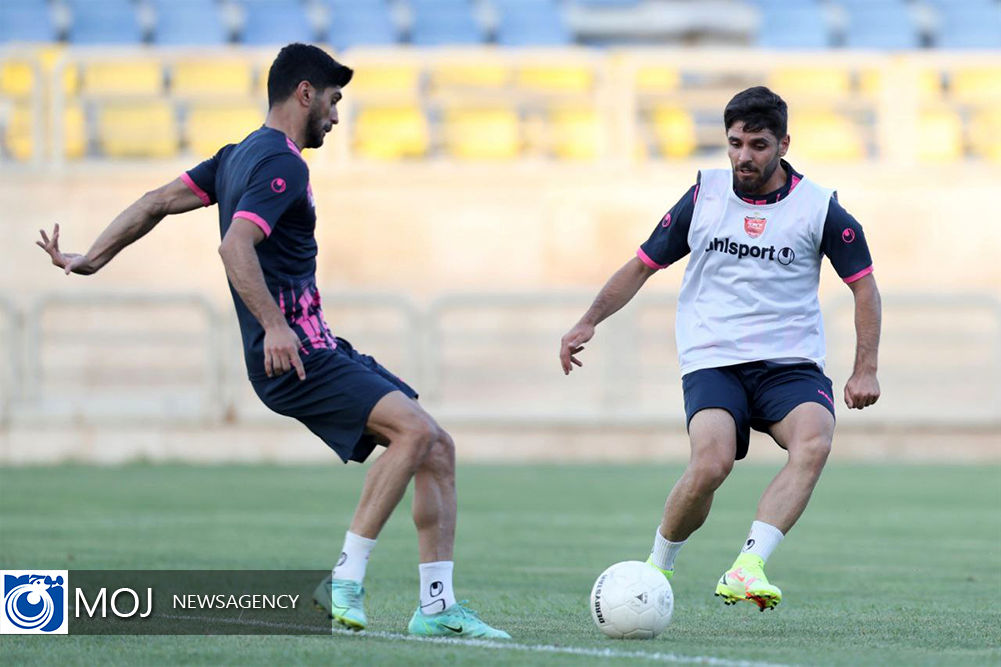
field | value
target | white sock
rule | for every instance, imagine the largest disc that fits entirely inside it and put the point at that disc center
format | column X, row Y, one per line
column 664, row 551
column 436, row 586
column 354, row 557
column 762, row 540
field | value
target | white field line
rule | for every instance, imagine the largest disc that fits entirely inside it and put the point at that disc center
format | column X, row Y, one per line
column 498, row 645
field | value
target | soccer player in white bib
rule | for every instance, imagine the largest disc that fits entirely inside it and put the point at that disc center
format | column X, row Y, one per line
column 749, row 331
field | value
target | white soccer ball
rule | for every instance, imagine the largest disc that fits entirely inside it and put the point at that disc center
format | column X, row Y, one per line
column 631, row 600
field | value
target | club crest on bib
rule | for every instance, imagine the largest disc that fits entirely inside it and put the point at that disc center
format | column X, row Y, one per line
column 754, row 226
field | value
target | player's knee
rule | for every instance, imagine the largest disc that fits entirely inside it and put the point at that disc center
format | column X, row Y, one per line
column 420, row 432
column 441, row 458
column 709, row 472
column 812, row 451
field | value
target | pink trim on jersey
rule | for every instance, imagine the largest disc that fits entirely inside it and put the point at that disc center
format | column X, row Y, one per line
column 861, row 274
column 645, row 258
column 795, row 181
column 256, row 219
column 695, row 195
column 295, row 149
column 204, row 196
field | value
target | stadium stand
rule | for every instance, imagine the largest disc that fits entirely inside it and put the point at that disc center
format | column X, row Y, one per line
column 227, row 78
column 188, row 22
column 146, row 129
column 440, row 22
column 530, row 23
column 793, row 27
column 482, row 134
column 969, row 26
column 26, row 21
column 209, row 125
column 276, row 22
column 361, row 23
column 880, row 25
column 139, row 77
column 388, row 133
column 104, row 22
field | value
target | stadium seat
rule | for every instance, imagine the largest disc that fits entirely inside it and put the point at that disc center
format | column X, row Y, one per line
column 211, row 77
column 810, row 82
column 468, row 76
column 976, row 84
column 674, row 131
column 985, row 134
column 555, row 78
column 796, row 27
column 104, row 22
column 188, row 22
column 390, row 81
column 141, row 77
column 940, row 137
column 18, row 136
column 276, row 22
column 531, row 23
column 391, row 133
column 137, row 130
column 929, row 83
column 881, row 25
column 970, row 27
column 824, row 136
column 576, row 134
column 209, row 126
column 657, row 79
column 74, row 132
column 482, row 134
column 17, row 78
column 444, row 22
column 361, row 25
column 26, row 21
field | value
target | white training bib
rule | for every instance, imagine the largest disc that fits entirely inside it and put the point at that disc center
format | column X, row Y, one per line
column 750, row 288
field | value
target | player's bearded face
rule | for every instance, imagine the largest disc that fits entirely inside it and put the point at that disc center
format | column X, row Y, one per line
column 754, row 157
column 318, row 123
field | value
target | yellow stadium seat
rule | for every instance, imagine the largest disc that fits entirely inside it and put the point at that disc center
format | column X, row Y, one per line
column 929, row 82
column 386, row 81
column 976, row 84
column 209, row 77
column 211, row 126
column 137, row 130
column 800, row 83
column 826, row 136
column 940, row 136
column 674, row 130
column 49, row 56
column 985, row 134
column 491, row 134
column 576, row 134
column 556, row 78
column 459, row 76
column 391, row 133
column 17, row 78
column 123, row 77
column 74, row 132
column 18, row 133
column 657, row 79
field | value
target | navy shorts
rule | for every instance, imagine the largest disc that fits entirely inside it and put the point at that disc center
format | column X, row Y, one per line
column 757, row 394
column 334, row 401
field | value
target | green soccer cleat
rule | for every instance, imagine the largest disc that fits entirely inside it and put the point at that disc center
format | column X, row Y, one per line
column 342, row 600
column 456, row 621
column 667, row 573
column 746, row 580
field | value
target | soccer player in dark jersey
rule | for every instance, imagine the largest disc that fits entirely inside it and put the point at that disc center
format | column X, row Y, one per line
column 749, row 331
column 296, row 365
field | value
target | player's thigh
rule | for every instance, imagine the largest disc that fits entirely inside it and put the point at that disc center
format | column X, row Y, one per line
column 713, row 435
column 809, row 425
column 396, row 415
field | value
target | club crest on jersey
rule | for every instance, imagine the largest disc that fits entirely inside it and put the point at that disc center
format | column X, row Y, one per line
column 754, row 226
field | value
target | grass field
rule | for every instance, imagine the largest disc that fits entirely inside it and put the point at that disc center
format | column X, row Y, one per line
column 890, row 565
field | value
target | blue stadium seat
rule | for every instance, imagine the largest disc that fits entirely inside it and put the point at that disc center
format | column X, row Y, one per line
column 276, row 22
column 881, row 26
column 606, row 3
column 360, row 24
column 26, row 21
column 531, row 23
column 444, row 22
column 184, row 22
column 104, row 22
column 798, row 27
column 974, row 27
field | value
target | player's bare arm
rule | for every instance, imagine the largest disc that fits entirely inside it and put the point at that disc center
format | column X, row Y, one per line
column 129, row 226
column 281, row 344
column 862, row 388
column 617, row 292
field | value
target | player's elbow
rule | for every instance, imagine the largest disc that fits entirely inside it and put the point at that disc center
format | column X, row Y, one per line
column 155, row 204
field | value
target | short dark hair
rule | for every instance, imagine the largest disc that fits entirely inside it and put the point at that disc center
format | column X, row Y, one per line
column 759, row 109
column 304, row 62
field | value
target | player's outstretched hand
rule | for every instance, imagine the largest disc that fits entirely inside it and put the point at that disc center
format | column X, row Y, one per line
column 861, row 390
column 572, row 344
column 70, row 262
column 281, row 352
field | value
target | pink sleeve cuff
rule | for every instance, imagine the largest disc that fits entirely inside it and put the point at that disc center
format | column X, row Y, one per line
column 645, row 258
column 206, row 200
column 861, row 274
column 256, row 219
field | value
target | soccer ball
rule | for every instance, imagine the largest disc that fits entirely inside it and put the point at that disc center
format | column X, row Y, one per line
column 631, row 600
